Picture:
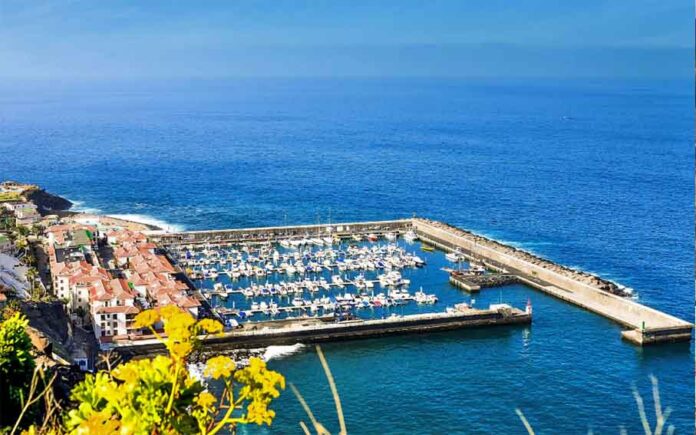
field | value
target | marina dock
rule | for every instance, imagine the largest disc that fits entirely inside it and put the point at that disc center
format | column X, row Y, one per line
column 474, row 283
column 644, row 325
column 317, row 330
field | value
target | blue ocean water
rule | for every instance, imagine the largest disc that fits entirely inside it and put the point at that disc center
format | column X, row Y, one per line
column 597, row 175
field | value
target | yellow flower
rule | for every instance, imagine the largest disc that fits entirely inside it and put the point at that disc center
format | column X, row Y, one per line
column 206, row 400
column 210, row 326
column 98, row 423
column 168, row 311
column 126, row 372
column 219, row 367
column 146, row 318
column 180, row 350
column 258, row 412
column 178, row 326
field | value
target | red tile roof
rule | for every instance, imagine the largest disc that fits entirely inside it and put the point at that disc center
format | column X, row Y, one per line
column 119, row 309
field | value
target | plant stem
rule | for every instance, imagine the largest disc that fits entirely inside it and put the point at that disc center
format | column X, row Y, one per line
column 175, row 384
column 221, row 424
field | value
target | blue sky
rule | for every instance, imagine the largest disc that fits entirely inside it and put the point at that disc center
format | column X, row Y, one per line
column 457, row 38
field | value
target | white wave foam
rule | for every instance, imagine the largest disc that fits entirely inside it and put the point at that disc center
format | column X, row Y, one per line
column 275, row 352
column 630, row 291
column 149, row 220
column 196, row 371
column 79, row 206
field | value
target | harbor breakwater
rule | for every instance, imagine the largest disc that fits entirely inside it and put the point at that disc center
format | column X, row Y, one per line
column 251, row 235
column 317, row 330
column 645, row 325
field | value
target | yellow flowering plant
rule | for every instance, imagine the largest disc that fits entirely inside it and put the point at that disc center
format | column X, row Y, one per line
column 159, row 396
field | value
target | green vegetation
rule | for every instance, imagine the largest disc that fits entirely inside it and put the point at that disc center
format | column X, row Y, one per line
column 16, row 367
column 10, row 196
column 148, row 396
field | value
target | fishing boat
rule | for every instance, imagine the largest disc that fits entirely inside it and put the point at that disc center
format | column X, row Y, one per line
column 477, row 269
column 427, row 248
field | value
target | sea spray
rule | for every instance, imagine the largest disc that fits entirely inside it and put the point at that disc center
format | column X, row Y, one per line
column 277, row 352
column 79, row 206
column 149, row 220
column 196, row 371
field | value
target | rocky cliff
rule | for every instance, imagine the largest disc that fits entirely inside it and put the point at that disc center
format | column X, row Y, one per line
column 47, row 203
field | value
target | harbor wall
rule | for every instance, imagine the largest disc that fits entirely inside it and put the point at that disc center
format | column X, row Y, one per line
column 277, row 233
column 620, row 309
column 339, row 331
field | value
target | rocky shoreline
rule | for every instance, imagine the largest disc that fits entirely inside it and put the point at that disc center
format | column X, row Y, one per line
column 578, row 275
column 48, row 203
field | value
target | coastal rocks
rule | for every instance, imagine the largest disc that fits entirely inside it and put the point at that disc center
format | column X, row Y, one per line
column 493, row 280
column 42, row 345
column 50, row 319
column 474, row 283
column 240, row 356
column 48, row 203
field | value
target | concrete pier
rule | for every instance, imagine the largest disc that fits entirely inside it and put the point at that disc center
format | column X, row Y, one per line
column 474, row 283
column 316, row 330
column 645, row 325
column 247, row 235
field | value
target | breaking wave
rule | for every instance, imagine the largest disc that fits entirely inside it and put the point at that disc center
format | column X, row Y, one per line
column 149, row 220
column 79, row 206
column 277, row 352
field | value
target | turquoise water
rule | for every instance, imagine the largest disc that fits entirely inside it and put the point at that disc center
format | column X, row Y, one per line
column 597, row 175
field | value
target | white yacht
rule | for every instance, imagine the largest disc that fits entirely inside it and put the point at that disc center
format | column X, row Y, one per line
column 423, row 298
column 337, row 280
column 410, row 236
column 453, row 257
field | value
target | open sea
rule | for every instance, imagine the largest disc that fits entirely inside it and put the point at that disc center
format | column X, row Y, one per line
column 595, row 175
